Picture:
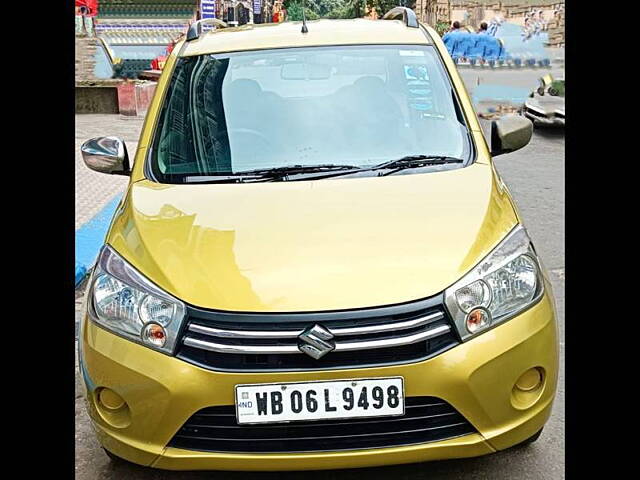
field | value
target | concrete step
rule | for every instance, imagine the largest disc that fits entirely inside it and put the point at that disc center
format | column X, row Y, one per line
column 85, row 58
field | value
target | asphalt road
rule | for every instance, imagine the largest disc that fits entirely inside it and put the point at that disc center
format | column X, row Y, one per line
column 535, row 177
column 521, row 78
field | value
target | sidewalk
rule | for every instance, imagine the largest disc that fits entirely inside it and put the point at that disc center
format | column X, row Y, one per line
column 94, row 190
column 97, row 194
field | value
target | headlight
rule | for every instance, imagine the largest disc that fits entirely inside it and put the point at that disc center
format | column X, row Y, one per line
column 506, row 282
column 126, row 303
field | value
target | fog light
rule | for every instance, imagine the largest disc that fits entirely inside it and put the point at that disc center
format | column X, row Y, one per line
column 112, row 408
column 477, row 319
column 154, row 334
column 529, row 380
column 528, row 388
column 110, row 399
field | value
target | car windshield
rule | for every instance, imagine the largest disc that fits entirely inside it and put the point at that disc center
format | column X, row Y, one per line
column 344, row 105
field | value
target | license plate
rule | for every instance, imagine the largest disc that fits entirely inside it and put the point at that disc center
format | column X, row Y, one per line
column 331, row 399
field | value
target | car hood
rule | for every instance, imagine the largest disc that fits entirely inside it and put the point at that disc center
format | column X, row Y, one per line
column 313, row 245
column 548, row 104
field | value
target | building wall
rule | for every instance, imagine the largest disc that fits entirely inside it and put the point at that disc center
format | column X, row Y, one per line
column 149, row 9
column 474, row 12
column 433, row 11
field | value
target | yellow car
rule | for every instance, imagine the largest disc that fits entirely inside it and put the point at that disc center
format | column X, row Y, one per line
column 315, row 264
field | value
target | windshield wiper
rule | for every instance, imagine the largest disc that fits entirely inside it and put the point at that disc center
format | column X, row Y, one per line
column 265, row 174
column 415, row 161
column 284, row 171
column 331, row 170
column 410, row 161
column 224, row 178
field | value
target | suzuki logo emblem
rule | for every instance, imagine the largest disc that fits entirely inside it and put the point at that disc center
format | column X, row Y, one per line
column 315, row 341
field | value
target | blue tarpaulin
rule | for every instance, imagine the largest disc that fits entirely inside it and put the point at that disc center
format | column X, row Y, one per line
column 508, row 45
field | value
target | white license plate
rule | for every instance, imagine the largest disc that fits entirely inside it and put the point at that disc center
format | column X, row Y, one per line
column 332, row 399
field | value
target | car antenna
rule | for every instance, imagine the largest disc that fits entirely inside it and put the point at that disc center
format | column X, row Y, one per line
column 304, row 19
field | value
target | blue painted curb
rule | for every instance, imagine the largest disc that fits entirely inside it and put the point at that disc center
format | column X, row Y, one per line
column 81, row 271
column 90, row 237
column 499, row 93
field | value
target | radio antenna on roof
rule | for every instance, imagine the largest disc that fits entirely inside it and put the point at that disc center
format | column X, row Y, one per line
column 304, row 19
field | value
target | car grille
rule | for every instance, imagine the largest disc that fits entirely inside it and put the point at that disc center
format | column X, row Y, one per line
column 353, row 339
column 426, row 419
column 535, row 113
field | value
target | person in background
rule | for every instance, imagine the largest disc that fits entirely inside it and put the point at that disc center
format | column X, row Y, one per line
column 455, row 26
column 493, row 27
column 86, row 10
column 79, row 21
column 478, row 45
column 449, row 38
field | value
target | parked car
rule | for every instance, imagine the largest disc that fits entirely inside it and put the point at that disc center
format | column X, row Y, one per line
column 546, row 104
column 315, row 264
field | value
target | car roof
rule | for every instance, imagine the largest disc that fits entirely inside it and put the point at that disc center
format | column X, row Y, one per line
column 357, row 31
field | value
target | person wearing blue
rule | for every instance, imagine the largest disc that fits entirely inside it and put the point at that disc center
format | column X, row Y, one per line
column 494, row 50
column 477, row 45
column 452, row 39
column 455, row 27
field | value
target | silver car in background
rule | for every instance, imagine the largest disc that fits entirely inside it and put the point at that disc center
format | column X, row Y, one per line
column 545, row 106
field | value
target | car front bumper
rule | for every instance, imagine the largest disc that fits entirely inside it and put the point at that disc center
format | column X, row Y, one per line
column 543, row 119
column 476, row 377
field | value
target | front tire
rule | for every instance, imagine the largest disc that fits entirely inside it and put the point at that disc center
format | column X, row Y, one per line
column 529, row 440
column 116, row 460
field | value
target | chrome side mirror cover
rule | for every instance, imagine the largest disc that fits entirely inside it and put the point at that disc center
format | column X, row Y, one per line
column 106, row 155
column 510, row 133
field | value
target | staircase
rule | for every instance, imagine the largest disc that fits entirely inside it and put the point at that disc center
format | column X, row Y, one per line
column 85, row 58
column 93, row 95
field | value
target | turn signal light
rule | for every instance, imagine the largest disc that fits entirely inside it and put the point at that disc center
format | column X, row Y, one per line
column 154, row 334
column 478, row 319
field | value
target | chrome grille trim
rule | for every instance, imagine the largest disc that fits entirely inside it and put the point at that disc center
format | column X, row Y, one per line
column 397, row 334
column 339, row 346
column 388, row 327
column 337, row 331
column 251, row 349
column 218, row 332
column 392, row 342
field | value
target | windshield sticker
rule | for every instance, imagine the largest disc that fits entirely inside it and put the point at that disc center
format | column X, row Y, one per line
column 421, row 106
column 416, row 72
column 416, row 92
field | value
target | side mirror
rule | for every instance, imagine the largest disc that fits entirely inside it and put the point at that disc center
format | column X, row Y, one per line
column 510, row 133
column 106, row 155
